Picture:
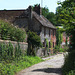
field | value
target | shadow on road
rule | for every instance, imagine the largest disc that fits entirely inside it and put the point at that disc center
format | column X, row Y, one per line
column 49, row 70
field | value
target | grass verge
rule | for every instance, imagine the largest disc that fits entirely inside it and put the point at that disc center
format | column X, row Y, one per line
column 16, row 66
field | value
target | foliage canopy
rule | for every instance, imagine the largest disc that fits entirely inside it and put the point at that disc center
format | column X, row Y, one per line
column 34, row 41
column 11, row 32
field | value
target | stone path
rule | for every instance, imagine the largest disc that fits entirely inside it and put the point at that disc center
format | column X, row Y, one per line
column 48, row 67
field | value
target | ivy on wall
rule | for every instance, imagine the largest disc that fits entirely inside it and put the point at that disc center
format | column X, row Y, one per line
column 47, row 44
column 59, row 36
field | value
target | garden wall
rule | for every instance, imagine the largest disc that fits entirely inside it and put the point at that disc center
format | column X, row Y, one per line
column 41, row 52
column 23, row 45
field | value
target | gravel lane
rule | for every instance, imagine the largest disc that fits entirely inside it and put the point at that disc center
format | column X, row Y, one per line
column 52, row 66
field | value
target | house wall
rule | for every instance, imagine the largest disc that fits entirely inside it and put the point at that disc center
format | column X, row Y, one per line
column 36, row 25
column 64, row 39
column 52, row 41
column 21, row 22
column 47, row 33
column 43, row 36
column 54, row 37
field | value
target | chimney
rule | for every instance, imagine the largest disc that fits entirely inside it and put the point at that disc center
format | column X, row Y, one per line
column 30, row 18
column 37, row 9
column 30, row 12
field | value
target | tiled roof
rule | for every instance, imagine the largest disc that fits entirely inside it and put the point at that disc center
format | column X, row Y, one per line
column 45, row 22
column 10, row 15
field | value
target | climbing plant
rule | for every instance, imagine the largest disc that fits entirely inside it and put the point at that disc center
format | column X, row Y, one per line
column 59, row 36
column 34, row 41
column 47, row 44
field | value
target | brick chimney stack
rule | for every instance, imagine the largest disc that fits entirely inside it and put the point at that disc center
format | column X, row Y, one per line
column 37, row 9
column 30, row 26
column 30, row 12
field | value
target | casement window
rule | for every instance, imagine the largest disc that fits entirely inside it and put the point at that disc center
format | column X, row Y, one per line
column 44, row 31
column 49, row 45
column 43, row 44
column 49, row 33
column 53, row 32
column 53, row 44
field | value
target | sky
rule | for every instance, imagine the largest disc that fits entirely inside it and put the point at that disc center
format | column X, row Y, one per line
column 24, row 4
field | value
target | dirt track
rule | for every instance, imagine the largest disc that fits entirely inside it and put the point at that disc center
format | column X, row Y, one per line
column 48, row 67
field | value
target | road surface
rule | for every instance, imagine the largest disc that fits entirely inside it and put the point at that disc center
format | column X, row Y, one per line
column 52, row 66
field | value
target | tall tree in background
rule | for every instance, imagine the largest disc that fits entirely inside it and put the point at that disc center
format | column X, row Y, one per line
column 45, row 11
column 58, row 11
column 67, row 19
column 67, row 15
column 49, row 15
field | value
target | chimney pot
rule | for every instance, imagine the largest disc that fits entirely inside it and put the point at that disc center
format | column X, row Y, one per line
column 37, row 9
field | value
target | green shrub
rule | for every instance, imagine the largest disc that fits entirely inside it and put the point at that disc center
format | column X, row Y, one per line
column 66, row 48
column 9, row 32
column 4, row 29
column 69, row 63
column 18, row 51
column 34, row 41
column 17, row 34
column 6, row 51
column 15, row 66
column 59, row 36
column 61, row 50
column 72, row 72
column 56, row 49
column 47, row 45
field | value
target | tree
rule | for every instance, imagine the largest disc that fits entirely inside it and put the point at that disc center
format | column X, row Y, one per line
column 49, row 15
column 59, row 36
column 45, row 11
column 52, row 18
column 58, row 10
column 67, row 16
column 67, row 19
column 33, row 42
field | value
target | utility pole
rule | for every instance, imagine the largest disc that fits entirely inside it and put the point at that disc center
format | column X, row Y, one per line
column 41, row 3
